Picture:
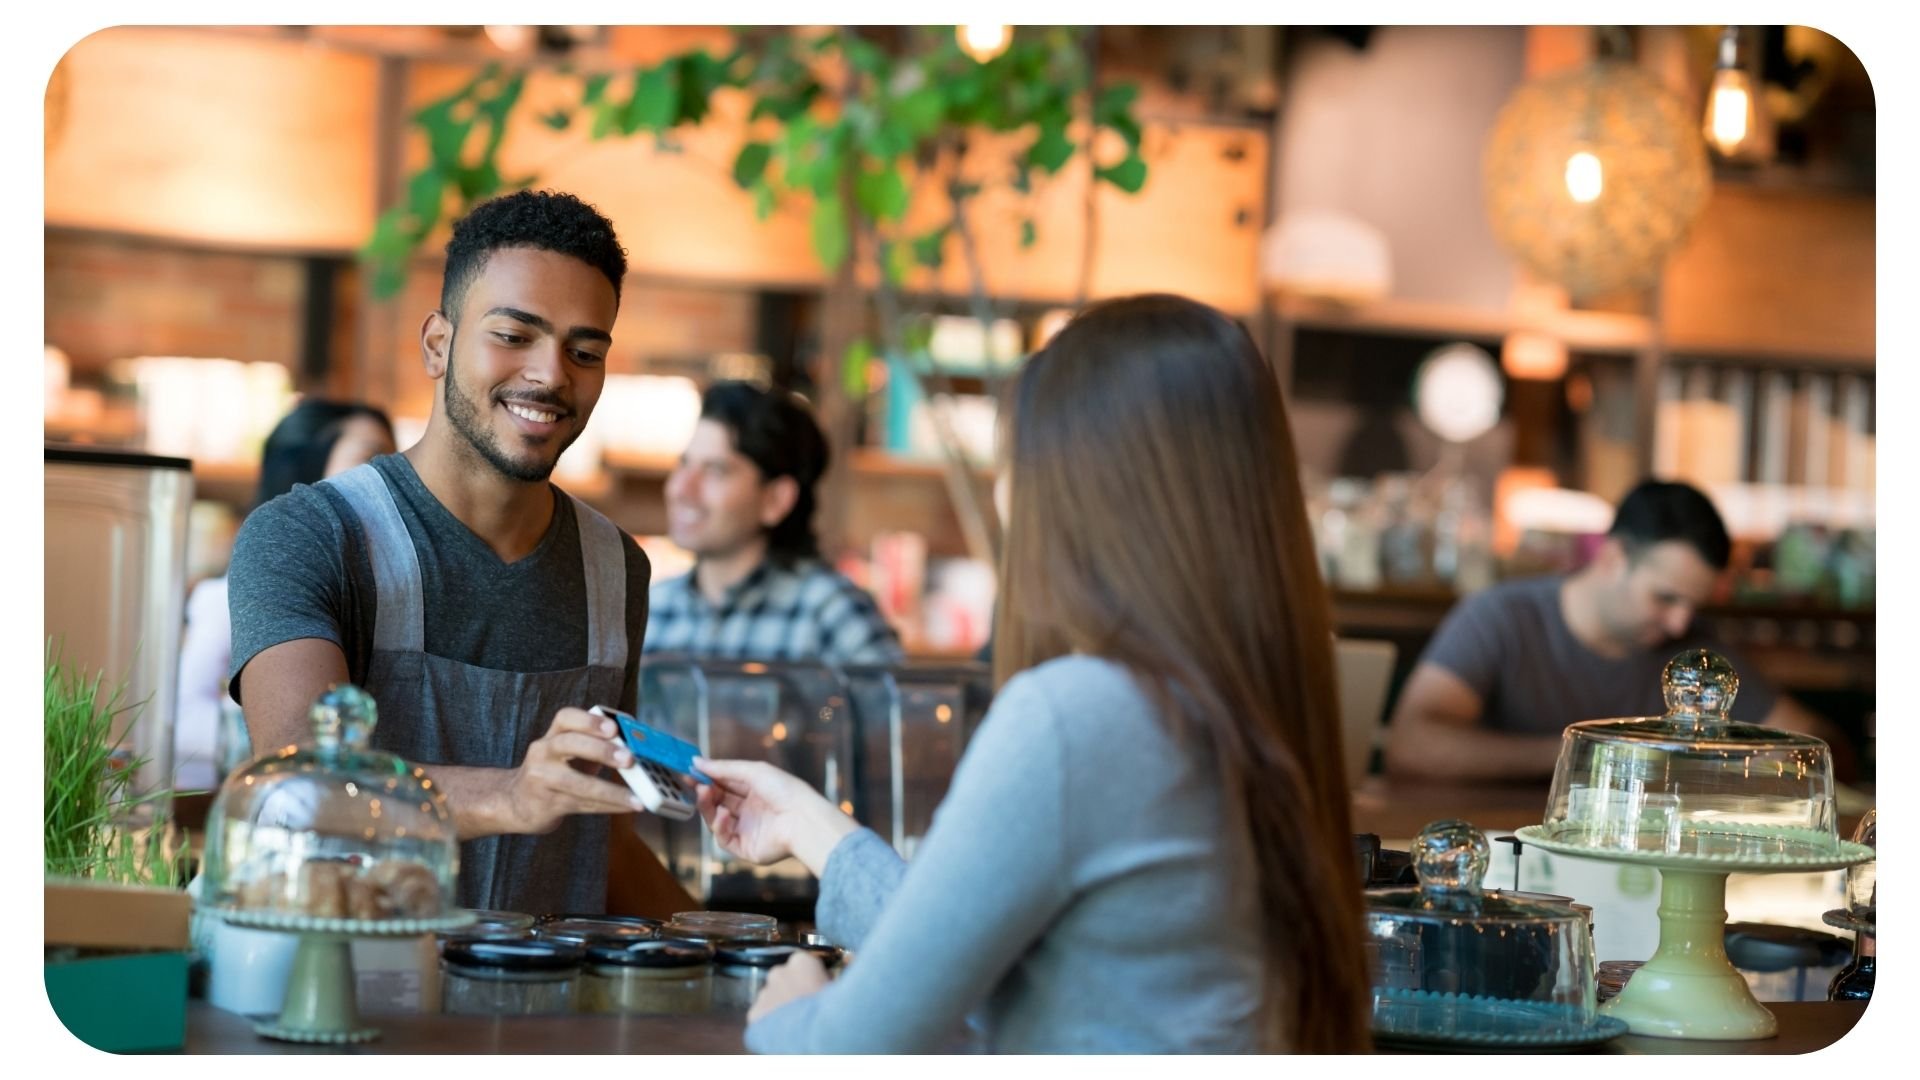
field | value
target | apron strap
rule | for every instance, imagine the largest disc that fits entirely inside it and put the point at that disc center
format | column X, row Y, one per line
column 603, row 553
column 400, row 618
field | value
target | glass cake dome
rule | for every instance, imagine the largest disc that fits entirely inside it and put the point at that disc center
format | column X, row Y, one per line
column 1454, row 964
column 1692, row 784
column 332, row 830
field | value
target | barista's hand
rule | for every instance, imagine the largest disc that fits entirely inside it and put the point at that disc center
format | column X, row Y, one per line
column 800, row 976
column 761, row 814
column 557, row 777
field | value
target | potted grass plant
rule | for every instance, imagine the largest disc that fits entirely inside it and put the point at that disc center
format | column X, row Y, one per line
column 116, row 910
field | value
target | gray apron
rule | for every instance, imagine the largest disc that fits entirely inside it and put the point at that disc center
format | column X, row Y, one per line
column 436, row 711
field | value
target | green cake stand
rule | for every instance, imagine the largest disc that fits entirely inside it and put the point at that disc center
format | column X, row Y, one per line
column 321, row 1005
column 1689, row 990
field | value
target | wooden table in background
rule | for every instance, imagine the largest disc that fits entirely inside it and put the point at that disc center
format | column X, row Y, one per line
column 1396, row 810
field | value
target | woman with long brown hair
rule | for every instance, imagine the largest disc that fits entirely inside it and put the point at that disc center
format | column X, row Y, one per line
column 1146, row 847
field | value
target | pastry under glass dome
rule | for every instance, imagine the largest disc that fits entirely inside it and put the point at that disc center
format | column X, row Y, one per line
column 332, row 830
column 331, row 841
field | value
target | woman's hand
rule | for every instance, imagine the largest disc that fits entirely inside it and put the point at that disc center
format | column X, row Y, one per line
column 800, row 976
column 762, row 814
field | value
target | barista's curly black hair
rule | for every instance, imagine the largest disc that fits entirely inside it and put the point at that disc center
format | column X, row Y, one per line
column 546, row 220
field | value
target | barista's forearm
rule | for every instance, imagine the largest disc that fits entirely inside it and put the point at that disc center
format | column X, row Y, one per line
column 478, row 799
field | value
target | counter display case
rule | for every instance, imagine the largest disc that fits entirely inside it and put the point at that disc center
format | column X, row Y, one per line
column 881, row 742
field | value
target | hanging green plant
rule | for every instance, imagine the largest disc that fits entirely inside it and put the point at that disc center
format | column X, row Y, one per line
column 859, row 132
column 830, row 109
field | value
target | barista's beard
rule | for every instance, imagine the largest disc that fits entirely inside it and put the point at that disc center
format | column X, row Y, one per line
column 469, row 420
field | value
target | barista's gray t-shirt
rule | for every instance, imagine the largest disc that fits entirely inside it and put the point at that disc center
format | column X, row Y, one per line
column 300, row 570
column 1511, row 644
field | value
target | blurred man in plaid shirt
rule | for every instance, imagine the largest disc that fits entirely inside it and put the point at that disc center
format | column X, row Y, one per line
column 741, row 500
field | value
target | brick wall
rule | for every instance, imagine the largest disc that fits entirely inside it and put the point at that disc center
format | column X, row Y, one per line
column 109, row 298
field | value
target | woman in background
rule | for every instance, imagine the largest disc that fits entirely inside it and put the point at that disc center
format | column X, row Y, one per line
column 1146, row 846
column 316, row 440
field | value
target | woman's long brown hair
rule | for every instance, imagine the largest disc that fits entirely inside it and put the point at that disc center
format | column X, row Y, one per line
column 1157, row 520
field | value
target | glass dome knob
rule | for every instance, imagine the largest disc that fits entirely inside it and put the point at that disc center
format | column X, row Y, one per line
column 1701, row 684
column 345, row 714
column 1450, row 857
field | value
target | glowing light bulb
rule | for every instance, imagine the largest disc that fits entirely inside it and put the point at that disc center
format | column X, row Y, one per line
column 1730, row 113
column 1584, row 180
column 1732, row 125
column 983, row 42
column 511, row 39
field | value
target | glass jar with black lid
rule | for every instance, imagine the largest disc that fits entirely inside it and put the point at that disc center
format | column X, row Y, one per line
column 491, row 926
column 719, row 928
column 648, row 977
column 740, row 970
column 591, row 930
column 509, row 978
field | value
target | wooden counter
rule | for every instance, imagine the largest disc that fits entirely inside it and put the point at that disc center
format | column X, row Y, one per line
column 1804, row 1027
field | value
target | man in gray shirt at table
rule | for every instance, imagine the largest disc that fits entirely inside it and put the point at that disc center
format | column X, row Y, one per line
column 1512, row 666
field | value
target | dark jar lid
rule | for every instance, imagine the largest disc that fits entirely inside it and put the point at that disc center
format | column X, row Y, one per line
column 830, row 955
column 623, row 920
column 597, row 930
column 653, row 954
column 493, row 925
column 513, row 955
column 760, row 955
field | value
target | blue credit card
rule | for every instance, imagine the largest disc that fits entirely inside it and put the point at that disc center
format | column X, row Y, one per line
column 651, row 744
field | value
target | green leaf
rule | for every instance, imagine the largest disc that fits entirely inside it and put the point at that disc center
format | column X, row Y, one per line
column 897, row 258
column 1130, row 175
column 596, row 88
column 830, row 231
column 929, row 250
column 1115, row 100
column 558, row 119
column 890, row 140
column 426, row 193
column 606, row 118
column 446, row 136
column 786, row 106
column 1027, row 233
column 829, row 165
column 1052, row 149
column 865, row 56
column 479, row 182
column 655, row 98
column 921, row 110
column 497, row 108
column 853, row 367
column 764, row 202
column 1114, row 110
column 700, row 76
column 751, row 163
column 882, row 195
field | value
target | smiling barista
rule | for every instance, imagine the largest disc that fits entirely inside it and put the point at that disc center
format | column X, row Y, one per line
column 481, row 606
